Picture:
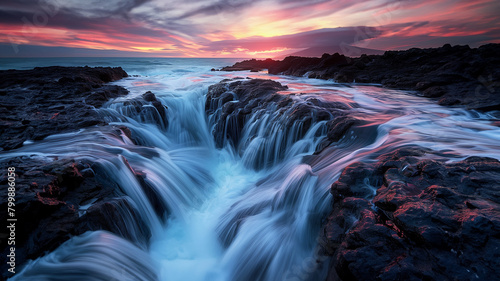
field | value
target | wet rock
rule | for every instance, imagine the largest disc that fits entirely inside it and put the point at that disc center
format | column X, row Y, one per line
column 233, row 102
column 407, row 217
column 339, row 126
column 252, row 65
column 49, row 100
column 64, row 198
column 149, row 96
column 456, row 75
column 147, row 108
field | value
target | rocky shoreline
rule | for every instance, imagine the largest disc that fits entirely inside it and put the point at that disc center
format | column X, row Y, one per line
column 428, row 220
column 407, row 216
column 50, row 100
column 57, row 199
column 453, row 75
column 238, row 99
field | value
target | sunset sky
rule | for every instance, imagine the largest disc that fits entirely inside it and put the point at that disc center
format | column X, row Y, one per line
column 237, row 28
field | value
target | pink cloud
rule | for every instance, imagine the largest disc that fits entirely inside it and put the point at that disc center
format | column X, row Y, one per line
column 234, row 28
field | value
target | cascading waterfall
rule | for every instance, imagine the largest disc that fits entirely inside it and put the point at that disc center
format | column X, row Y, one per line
column 267, row 139
column 251, row 212
column 95, row 255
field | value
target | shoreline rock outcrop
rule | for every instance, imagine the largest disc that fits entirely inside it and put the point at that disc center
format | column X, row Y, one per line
column 409, row 217
column 50, row 100
column 59, row 198
column 235, row 101
column 453, row 75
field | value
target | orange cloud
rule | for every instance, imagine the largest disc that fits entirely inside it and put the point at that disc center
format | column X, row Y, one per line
column 212, row 28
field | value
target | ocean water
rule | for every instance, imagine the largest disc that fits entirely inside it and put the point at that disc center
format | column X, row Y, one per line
column 236, row 213
column 133, row 66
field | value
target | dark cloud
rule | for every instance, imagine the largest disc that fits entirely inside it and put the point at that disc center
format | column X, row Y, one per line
column 321, row 37
column 30, row 23
column 21, row 5
column 218, row 7
column 98, row 8
column 88, row 9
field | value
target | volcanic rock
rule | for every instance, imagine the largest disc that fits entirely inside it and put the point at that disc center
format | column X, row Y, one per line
column 60, row 199
column 49, row 100
column 409, row 217
column 147, row 109
column 57, row 198
column 234, row 102
column 455, row 75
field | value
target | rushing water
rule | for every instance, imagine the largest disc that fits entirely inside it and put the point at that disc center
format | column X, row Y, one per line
column 251, row 212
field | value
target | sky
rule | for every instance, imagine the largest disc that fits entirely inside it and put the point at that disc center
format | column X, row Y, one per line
column 238, row 28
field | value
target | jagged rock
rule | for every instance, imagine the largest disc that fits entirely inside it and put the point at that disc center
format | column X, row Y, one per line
column 147, row 109
column 456, row 75
column 49, row 100
column 252, row 65
column 407, row 217
column 64, row 198
column 235, row 101
column 60, row 199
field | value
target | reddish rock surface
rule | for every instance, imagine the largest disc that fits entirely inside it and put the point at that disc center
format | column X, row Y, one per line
column 411, row 218
column 455, row 75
